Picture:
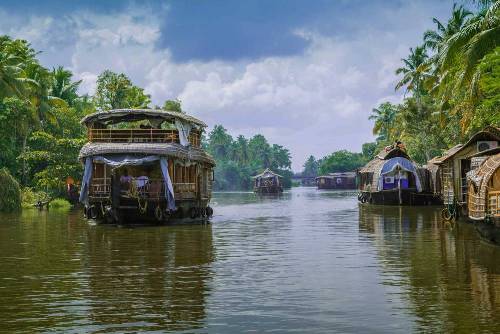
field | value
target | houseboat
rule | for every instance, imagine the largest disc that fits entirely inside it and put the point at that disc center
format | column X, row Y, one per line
column 484, row 187
column 392, row 178
column 145, row 164
column 268, row 182
column 449, row 171
column 346, row 180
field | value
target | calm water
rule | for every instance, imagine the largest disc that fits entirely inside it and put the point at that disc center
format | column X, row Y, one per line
column 307, row 262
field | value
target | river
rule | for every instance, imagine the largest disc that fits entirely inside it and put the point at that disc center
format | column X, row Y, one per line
column 308, row 261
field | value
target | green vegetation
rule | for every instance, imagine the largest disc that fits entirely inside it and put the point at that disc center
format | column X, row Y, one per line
column 452, row 84
column 29, row 197
column 10, row 193
column 60, row 204
column 238, row 160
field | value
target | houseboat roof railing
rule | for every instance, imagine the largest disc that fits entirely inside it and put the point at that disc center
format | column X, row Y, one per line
column 130, row 115
column 266, row 173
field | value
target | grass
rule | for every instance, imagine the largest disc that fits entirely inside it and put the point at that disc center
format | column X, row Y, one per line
column 29, row 197
column 60, row 204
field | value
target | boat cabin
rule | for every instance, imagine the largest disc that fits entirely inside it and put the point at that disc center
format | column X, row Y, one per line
column 484, row 187
column 268, row 182
column 449, row 171
column 345, row 180
column 145, row 163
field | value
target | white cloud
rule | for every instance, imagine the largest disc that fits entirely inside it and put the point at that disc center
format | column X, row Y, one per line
column 313, row 103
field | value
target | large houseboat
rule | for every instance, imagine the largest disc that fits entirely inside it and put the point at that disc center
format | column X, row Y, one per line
column 268, row 182
column 144, row 164
column 392, row 178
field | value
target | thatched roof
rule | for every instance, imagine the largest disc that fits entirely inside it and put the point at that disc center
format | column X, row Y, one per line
column 165, row 149
column 392, row 152
column 120, row 115
column 488, row 133
column 267, row 173
column 478, row 190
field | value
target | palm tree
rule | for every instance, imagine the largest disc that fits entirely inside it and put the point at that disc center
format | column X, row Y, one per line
column 10, row 75
column 62, row 87
column 413, row 71
column 433, row 39
column 470, row 44
column 384, row 117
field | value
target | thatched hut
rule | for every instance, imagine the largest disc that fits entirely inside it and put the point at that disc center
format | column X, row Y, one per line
column 392, row 178
column 449, row 170
column 484, row 188
column 345, row 180
column 268, row 182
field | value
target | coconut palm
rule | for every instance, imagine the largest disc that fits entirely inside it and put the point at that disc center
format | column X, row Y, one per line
column 469, row 45
column 62, row 87
column 384, row 117
column 10, row 75
column 433, row 39
column 413, row 71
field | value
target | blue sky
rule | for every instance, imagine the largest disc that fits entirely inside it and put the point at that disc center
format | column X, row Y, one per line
column 304, row 73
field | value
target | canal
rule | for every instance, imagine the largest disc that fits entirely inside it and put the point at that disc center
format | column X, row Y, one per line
column 307, row 262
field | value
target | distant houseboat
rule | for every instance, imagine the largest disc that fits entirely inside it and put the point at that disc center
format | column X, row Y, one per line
column 145, row 164
column 345, row 180
column 484, row 187
column 392, row 178
column 449, row 171
column 268, row 182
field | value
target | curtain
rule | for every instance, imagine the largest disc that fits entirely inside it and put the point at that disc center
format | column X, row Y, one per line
column 87, row 175
column 184, row 131
column 169, row 189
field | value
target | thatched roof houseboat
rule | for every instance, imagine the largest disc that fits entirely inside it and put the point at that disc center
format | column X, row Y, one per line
column 392, row 178
column 484, row 187
column 146, row 164
column 345, row 180
column 449, row 171
column 268, row 182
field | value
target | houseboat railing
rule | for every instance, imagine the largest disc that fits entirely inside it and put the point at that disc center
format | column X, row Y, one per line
column 494, row 203
column 150, row 188
column 139, row 136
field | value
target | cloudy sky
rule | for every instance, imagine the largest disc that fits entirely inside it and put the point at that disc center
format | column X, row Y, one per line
column 306, row 74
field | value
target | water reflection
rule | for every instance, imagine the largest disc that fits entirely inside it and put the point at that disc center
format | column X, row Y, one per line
column 449, row 276
column 59, row 273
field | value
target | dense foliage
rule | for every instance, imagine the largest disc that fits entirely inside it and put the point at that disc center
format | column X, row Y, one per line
column 10, row 193
column 452, row 84
column 241, row 158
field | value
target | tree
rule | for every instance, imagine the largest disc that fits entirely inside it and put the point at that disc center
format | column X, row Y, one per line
column 116, row 91
column 62, row 87
column 384, row 116
column 413, row 71
column 173, row 105
column 341, row 161
column 311, row 167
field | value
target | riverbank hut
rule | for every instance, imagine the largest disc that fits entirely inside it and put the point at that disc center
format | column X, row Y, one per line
column 450, row 170
column 392, row 178
column 268, row 182
column 143, row 164
column 484, row 187
column 345, row 180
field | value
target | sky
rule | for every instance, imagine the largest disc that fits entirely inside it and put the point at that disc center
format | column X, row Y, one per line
column 306, row 74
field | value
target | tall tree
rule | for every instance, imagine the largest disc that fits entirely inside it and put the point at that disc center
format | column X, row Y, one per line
column 413, row 71
column 173, row 105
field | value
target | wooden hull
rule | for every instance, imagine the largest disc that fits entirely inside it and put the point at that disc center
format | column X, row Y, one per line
column 397, row 197
column 268, row 190
column 335, row 186
column 130, row 210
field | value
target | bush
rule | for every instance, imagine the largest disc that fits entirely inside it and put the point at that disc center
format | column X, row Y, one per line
column 60, row 204
column 10, row 192
column 29, row 198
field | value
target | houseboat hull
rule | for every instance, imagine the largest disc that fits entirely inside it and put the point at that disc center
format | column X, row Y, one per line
column 397, row 197
column 269, row 190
